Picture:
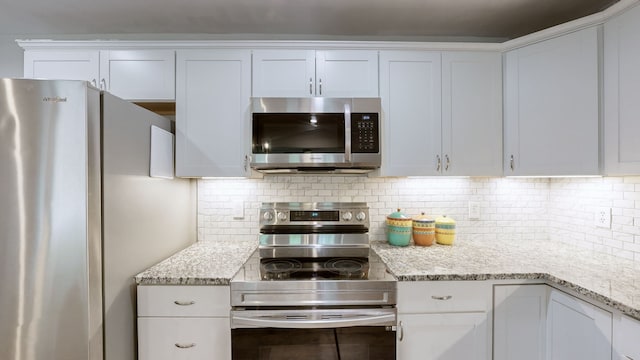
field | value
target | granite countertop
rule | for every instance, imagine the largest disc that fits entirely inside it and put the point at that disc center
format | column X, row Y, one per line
column 203, row 263
column 607, row 279
column 604, row 278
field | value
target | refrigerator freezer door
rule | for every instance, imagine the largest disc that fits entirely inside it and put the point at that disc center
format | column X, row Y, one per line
column 44, row 221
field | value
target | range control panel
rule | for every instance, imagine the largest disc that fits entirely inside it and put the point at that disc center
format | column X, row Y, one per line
column 315, row 214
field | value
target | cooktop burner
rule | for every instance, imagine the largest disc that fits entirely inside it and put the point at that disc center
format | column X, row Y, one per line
column 314, row 269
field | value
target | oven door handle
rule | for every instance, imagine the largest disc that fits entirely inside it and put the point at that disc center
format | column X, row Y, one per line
column 310, row 320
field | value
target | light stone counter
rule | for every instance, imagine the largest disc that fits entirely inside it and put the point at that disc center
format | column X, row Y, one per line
column 203, row 263
column 607, row 279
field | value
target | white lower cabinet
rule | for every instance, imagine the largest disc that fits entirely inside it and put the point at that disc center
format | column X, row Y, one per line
column 519, row 321
column 183, row 338
column 443, row 320
column 442, row 336
column 577, row 329
column 183, row 322
column 626, row 339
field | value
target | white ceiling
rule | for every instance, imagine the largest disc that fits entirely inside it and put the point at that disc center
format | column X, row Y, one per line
column 311, row 19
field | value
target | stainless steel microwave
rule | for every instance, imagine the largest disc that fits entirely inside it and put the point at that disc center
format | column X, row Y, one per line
column 327, row 135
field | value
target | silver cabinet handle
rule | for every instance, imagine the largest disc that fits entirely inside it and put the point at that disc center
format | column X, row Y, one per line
column 310, row 86
column 511, row 163
column 447, row 162
column 320, row 82
column 246, row 163
column 400, row 331
column 446, row 297
column 185, row 346
column 94, row 83
column 438, row 163
column 628, row 357
column 184, row 303
column 103, row 84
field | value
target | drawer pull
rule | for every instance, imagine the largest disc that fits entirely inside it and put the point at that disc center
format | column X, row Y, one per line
column 185, row 346
column 446, row 297
column 184, row 303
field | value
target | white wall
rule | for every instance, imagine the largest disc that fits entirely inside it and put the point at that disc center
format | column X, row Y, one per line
column 11, row 56
column 511, row 208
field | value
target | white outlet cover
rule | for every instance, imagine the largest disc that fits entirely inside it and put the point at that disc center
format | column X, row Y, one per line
column 602, row 217
column 474, row 210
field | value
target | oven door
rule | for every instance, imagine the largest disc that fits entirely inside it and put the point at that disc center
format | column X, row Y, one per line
column 326, row 334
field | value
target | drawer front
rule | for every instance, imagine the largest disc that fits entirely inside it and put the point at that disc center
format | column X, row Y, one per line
column 443, row 296
column 184, row 338
column 185, row 301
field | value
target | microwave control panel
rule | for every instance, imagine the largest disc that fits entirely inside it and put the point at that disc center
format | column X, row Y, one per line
column 364, row 133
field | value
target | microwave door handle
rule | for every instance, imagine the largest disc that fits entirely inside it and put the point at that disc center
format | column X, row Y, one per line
column 347, row 133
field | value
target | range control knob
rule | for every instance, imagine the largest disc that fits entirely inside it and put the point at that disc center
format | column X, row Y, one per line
column 282, row 216
column 267, row 216
column 347, row 216
column 361, row 216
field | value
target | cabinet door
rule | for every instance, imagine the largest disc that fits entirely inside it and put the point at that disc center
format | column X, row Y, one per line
column 347, row 73
column 442, row 336
column 621, row 88
column 519, row 321
column 626, row 336
column 184, row 338
column 552, row 107
column 411, row 105
column 63, row 65
column 576, row 329
column 212, row 103
column 139, row 74
column 472, row 113
column 284, row 73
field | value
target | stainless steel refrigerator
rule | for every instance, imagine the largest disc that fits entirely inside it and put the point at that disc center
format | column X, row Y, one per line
column 79, row 217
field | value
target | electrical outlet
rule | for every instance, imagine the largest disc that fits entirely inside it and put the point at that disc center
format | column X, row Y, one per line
column 474, row 210
column 603, row 217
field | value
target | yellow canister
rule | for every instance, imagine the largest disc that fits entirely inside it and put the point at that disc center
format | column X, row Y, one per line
column 424, row 230
column 445, row 230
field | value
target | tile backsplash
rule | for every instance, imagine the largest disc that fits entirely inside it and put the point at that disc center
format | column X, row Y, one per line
column 517, row 209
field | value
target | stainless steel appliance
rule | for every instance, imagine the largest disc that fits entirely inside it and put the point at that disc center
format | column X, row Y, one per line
column 79, row 217
column 339, row 135
column 313, row 288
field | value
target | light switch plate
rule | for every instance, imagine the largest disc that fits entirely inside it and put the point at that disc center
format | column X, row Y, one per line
column 238, row 209
column 603, row 217
column 474, row 210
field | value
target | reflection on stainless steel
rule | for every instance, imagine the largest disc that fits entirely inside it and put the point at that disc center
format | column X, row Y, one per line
column 51, row 223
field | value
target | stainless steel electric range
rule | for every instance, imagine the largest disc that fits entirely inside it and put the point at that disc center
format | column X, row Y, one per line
column 313, row 286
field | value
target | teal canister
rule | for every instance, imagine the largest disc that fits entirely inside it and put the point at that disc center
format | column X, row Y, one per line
column 399, row 229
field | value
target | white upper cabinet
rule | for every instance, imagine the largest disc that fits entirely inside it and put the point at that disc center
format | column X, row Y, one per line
column 410, row 90
column 140, row 75
column 551, row 96
column 212, row 112
column 472, row 113
column 63, row 65
column 621, row 89
column 308, row 73
column 442, row 113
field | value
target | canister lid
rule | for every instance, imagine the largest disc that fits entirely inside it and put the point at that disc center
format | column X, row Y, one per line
column 444, row 220
column 422, row 218
column 397, row 215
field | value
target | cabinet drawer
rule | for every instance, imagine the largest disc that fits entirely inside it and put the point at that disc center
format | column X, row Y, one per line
column 177, row 300
column 443, row 296
column 184, row 338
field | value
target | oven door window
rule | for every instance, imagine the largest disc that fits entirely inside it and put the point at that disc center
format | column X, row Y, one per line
column 352, row 343
column 298, row 133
